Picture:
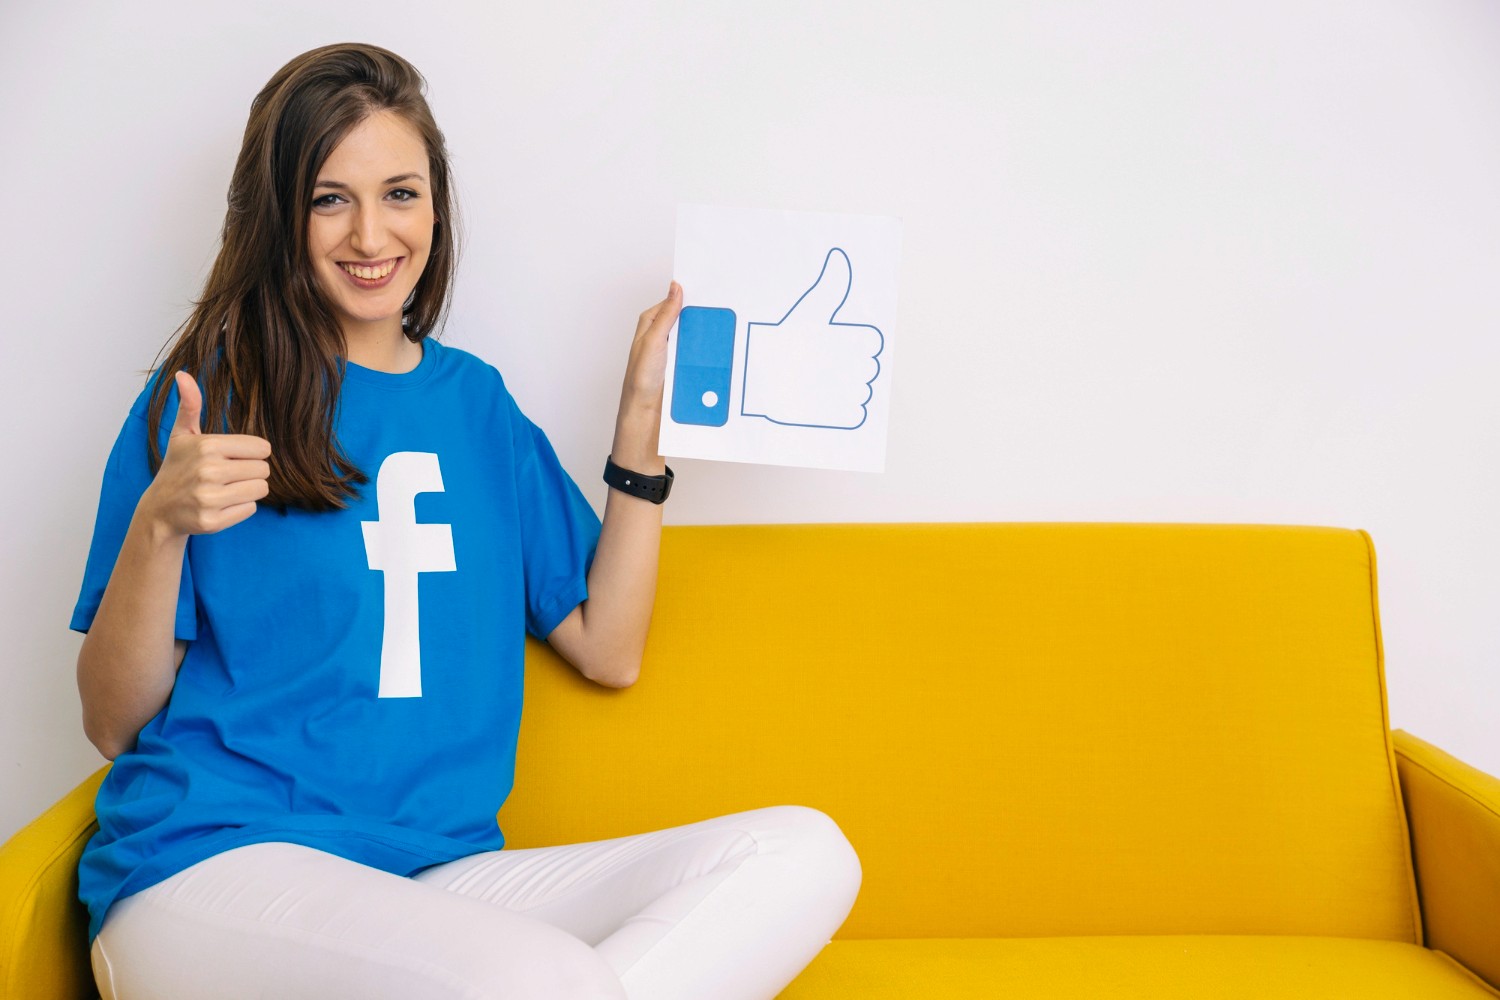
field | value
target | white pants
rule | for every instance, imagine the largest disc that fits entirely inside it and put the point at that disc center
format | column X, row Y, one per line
column 730, row 908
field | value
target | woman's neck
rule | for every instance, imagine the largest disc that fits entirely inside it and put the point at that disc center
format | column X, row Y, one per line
column 396, row 356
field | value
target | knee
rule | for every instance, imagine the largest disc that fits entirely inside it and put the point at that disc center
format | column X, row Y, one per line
column 565, row 968
column 818, row 840
column 590, row 978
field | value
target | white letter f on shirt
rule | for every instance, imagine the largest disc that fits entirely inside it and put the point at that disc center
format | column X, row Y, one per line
column 401, row 548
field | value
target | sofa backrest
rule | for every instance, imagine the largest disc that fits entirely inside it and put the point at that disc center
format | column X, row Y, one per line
column 1024, row 729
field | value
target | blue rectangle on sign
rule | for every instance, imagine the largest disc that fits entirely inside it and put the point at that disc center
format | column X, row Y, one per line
column 705, row 361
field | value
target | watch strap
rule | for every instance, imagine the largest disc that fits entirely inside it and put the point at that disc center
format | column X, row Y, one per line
column 653, row 488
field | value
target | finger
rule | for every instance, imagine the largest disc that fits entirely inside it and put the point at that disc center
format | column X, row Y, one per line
column 189, row 405
column 240, row 446
column 239, row 470
column 214, row 500
column 674, row 297
column 820, row 303
column 234, row 515
column 246, row 491
column 666, row 312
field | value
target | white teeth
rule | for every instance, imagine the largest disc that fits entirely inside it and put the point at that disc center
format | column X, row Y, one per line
column 369, row 273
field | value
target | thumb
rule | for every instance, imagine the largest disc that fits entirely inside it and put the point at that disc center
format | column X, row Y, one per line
column 189, row 405
column 820, row 303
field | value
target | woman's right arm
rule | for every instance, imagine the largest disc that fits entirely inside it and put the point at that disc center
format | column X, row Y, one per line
column 129, row 658
column 127, row 664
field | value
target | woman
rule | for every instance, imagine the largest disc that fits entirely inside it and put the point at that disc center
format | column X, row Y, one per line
column 319, row 546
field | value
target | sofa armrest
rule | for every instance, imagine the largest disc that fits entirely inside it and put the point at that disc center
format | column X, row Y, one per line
column 43, row 926
column 1454, row 814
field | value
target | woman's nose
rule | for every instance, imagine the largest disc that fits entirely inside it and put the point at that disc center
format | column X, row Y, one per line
column 369, row 232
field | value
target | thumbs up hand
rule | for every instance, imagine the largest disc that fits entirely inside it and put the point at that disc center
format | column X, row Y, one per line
column 807, row 369
column 189, row 406
column 207, row 482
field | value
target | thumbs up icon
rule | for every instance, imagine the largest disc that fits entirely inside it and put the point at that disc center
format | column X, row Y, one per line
column 808, row 370
column 804, row 370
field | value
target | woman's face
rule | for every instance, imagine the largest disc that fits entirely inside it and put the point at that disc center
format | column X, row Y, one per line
column 372, row 203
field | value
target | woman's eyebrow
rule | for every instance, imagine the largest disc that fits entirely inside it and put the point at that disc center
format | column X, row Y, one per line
column 388, row 180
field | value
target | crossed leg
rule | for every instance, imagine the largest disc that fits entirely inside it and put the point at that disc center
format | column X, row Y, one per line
column 732, row 907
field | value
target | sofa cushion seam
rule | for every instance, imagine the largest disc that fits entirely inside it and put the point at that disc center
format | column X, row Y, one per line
column 1465, row 970
column 1437, row 776
column 1413, row 898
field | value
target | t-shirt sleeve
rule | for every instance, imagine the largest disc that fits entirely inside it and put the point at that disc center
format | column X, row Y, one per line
column 126, row 476
column 559, row 530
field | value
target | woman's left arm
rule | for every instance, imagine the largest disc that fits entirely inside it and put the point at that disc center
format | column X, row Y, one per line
column 605, row 636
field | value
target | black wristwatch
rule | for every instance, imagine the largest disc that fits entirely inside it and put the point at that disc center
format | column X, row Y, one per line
column 653, row 488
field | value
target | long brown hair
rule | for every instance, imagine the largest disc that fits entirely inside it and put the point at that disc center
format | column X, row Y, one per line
column 262, row 339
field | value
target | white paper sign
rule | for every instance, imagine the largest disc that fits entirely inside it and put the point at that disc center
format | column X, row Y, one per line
column 783, row 352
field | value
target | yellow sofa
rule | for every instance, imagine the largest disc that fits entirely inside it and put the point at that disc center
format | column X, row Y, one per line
column 1077, row 760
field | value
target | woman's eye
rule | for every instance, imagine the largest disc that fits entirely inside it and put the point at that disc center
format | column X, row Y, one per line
column 410, row 196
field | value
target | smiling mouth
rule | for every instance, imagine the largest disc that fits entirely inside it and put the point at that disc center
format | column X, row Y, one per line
column 371, row 272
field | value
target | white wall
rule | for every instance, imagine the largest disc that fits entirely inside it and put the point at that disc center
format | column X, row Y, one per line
column 1163, row 261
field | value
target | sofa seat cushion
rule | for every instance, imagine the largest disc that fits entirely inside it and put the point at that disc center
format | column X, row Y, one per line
column 1191, row 967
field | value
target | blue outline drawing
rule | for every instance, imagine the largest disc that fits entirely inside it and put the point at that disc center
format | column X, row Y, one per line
column 745, row 368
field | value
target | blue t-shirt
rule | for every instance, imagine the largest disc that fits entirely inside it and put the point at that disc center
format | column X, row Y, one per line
column 354, row 677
